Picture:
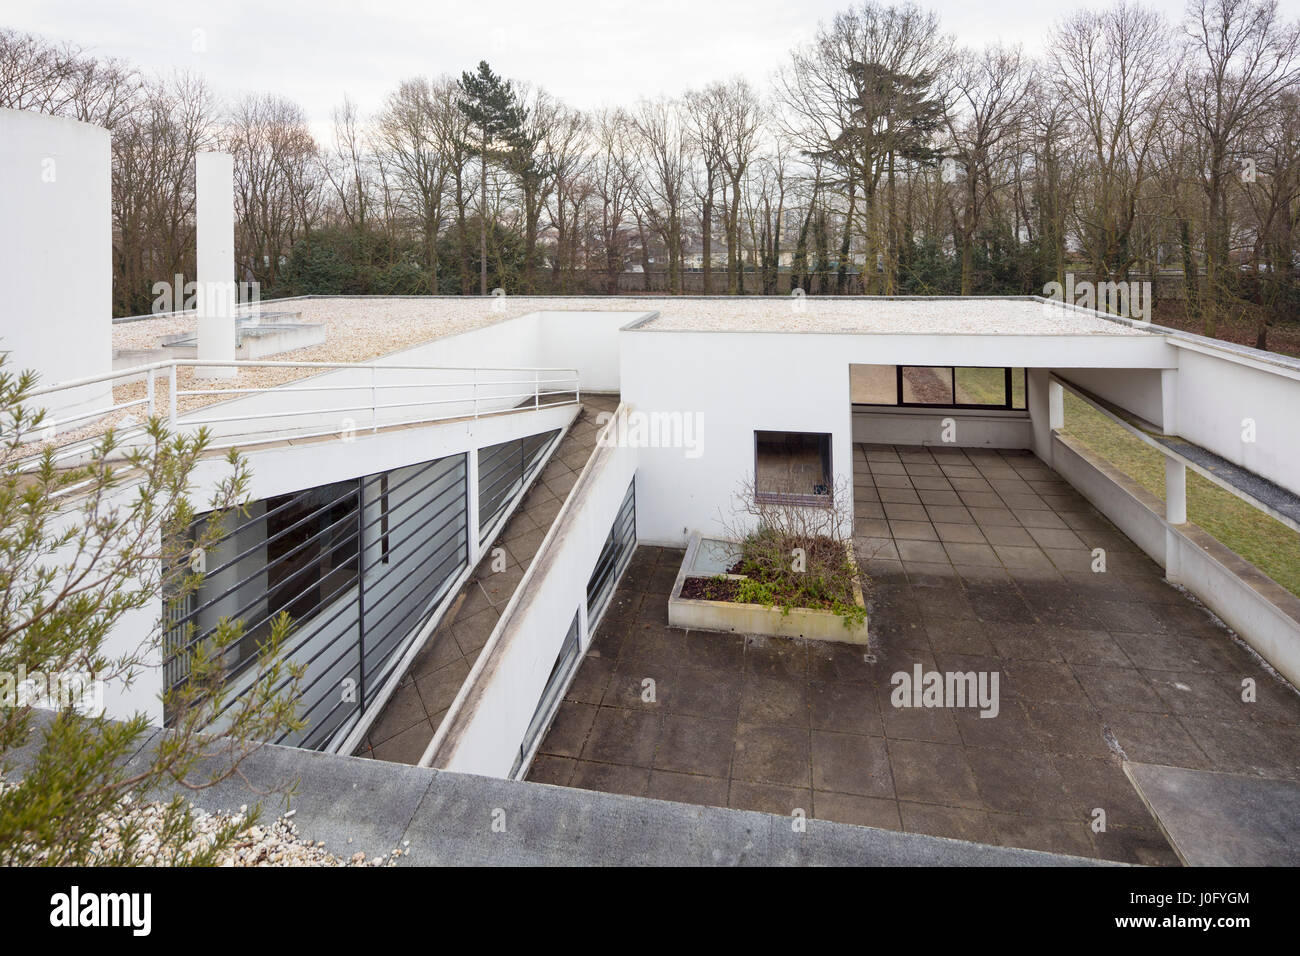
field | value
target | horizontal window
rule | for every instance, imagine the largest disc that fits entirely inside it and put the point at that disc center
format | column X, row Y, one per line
column 937, row 386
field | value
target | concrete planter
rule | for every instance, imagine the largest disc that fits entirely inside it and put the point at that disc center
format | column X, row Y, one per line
column 816, row 625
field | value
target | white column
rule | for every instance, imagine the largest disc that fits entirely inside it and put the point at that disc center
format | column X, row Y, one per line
column 1055, row 405
column 1169, row 401
column 1175, row 491
column 1175, row 513
column 215, row 231
column 471, row 507
column 1040, row 414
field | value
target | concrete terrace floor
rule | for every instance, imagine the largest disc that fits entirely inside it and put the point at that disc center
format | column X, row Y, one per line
column 411, row 717
column 977, row 561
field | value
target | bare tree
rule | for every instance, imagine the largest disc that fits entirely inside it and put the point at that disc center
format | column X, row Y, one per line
column 739, row 114
column 274, row 156
column 1115, row 71
column 661, row 144
column 154, row 147
column 347, row 167
column 414, row 134
column 613, row 189
column 1245, row 57
column 704, row 121
column 565, row 146
column 988, row 98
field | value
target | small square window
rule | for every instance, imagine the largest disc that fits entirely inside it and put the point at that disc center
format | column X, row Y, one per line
column 793, row 466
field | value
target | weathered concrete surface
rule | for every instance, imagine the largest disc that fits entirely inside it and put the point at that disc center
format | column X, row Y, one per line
column 538, row 824
column 354, row 804
column 1223, row 819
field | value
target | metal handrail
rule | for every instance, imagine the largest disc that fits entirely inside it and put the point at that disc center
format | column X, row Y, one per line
column 533, row 383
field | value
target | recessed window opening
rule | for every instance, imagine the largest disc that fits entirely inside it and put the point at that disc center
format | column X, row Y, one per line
column 793, row 466
column 937, row 386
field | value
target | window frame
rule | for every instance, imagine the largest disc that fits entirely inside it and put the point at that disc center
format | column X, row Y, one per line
column 1008, row 385
column 826, row 441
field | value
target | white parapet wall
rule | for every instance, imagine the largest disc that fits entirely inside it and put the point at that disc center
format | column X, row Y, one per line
column 56, row 259
column 1261, row 611
column 1242, row 405
column 919, row 426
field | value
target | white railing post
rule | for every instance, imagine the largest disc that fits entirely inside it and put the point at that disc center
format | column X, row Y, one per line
column 171, row 398
column 1175, row 491
column 149, row 391
column 577, row 388
column 537, row 389
column 472, row 531
column 374, row 400
column 1175, row 514
column 474, row 393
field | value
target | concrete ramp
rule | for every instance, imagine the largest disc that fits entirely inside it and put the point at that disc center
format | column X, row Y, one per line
column 1222, row 819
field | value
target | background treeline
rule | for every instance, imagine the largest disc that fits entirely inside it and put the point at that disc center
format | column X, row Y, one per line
column 882, row 158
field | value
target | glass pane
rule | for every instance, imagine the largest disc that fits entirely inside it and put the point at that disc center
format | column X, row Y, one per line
column 982, row 386
column 924, row 385
column 793, row 463
column 873, row 384
column 1017, row 388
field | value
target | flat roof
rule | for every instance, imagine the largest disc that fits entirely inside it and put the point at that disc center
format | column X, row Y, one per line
column 883, row 316
column 364, row 327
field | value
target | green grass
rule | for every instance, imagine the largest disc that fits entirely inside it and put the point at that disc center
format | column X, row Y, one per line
column 987, row 386
column 1268, row 544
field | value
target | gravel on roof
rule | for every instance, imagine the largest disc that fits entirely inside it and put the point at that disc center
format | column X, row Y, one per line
column 357, row 329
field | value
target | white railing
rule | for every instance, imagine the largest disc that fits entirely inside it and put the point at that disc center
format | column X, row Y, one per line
column 364, row 397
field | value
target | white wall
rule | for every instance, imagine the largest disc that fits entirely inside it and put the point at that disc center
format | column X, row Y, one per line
column 56, row 281
column 1138, row 390
column 586, row 341
column 1219, row 390
column 920, row 426
column 742, row 382
column 282, row 469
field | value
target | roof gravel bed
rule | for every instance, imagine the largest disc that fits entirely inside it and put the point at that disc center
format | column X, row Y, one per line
column 363, row 328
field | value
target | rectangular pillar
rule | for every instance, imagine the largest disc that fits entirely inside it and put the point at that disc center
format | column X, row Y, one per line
column 472, row 529
column 1175, row 514
column 1038, row 402
column 1175, row 491
column 214, row 206
column 1169, row 401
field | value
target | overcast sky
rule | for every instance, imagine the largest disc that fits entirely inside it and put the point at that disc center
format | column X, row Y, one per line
column 587, row 53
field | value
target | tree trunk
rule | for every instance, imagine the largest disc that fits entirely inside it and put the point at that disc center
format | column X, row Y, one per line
column 706, row 240
column 482, row 222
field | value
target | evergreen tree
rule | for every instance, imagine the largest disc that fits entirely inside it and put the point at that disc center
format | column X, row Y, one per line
column 496, row 119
